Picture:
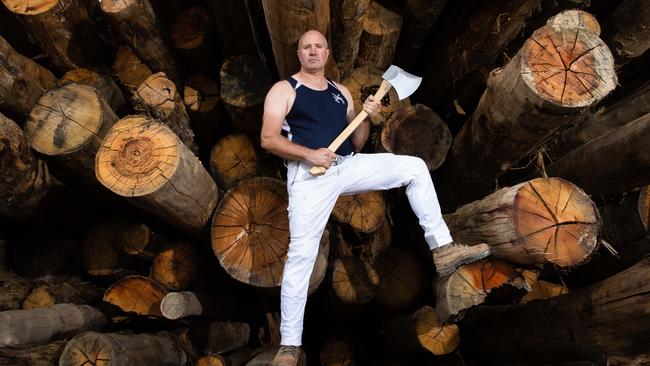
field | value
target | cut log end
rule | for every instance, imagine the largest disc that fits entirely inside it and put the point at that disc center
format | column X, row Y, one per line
column 30, row 7
column 190, row 28
column 201, row 93
column 178, row 305
column 575, row 18
column 137, row 294
column 157, row 90
column 568, row 66
column 433, row 335
column 175, row 266
column 365, row 81
column 354, row 281
column 401, row 278
column 117, row 6
column 233, row 159
column 364, row 212
column 130, row 69
column 137, row 156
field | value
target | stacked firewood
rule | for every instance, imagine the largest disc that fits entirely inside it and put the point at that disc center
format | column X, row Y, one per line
column 141, row 222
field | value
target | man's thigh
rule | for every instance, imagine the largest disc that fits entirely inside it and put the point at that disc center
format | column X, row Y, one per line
column 372, row 172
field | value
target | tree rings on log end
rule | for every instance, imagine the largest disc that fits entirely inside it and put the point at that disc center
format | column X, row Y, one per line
column 365, row 81
column 402, row 278
column 158, row 91
column 175, row 266
column 137, row 294
column 30, row 7
column 433, row 335
column 233, row 159
column 354, row 281
column 364, row 212
column 250, row 231
column 568, row 66
column 201, row 93
column 190, row 28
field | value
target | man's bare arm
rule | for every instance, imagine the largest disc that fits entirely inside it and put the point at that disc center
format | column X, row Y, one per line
column 361, row 133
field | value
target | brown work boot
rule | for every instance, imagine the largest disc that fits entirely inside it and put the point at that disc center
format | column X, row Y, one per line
column 288, row 356
column 448, row 258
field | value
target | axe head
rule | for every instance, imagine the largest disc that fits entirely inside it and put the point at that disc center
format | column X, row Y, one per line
column 403, row 82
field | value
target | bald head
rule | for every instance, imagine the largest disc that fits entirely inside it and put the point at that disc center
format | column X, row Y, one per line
column 312, row 35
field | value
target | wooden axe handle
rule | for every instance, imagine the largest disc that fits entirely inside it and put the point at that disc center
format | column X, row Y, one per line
column 356, row 122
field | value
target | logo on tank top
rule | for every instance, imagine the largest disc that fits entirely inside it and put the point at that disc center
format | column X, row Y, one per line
column 338, row 98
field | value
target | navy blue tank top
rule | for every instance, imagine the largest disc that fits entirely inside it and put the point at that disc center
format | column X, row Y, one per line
column 317, row 117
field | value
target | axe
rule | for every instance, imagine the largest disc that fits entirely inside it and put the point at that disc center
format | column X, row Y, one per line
column 403, row 83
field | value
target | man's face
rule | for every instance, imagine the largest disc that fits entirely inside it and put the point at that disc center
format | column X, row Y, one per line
column 313, row 51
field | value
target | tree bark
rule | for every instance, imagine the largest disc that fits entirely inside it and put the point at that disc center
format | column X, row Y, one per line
column 575, row 18
column 422, row 330
column 217, row 337
column 175, row 266
column 628, row 29
column 42, row 355
column 626, row 218
column 402, row 278
column 353, row 280
column 347, row 25
column 419, row 18
column 137, row 294
column 287, row 20
column 159, row 98
column 69, row 123
column 365, row 212
column 545, row 220
column 129, row 68
column 589, row 324
column 250, row 231
column 191, row 34
column 233, row 159
column 99, row 80
column 116, row 349
column 62, row 29
column 13, row 290
column 145, row 161
column 136, row 22
column 22, row 81
column 525, row 102
column 417, row 131
column 23, row 327
column 62, row 291
column 381, row 28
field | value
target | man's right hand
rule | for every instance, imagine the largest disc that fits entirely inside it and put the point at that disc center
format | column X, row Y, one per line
column 321, row 157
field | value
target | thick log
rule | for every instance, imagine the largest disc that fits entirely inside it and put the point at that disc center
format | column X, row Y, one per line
column 136, row 22
column 207, row 116
column 419, row 18
column 159, row 98
column 381, row 28
column 365, row 81
column 402, row 278
column 233, row 159
column 626, row 219
column 555, row 75
column 22, row 81
column 347, row 17
column 545, row 220
column 62, row 29
column 144, row 160
column 353, row 280
column 13, row 290
column 209, row 338
column 471, row 284
column 117, row 349
column 627, row 29
column 129, row 68
column 287, row 20
column 137, row 294
column 336, row 353
column 23, row 327
column 250, row 231
column 98, row 79
column 244, row 83
column 365, row 212
column 61, row 291
column 175, row 266
column 41, row 355
column 417, row 131
column 587, row 324
column 69, row 123
column 25, row 179
column 621, row 153
column 422, row 330
column 191, row 34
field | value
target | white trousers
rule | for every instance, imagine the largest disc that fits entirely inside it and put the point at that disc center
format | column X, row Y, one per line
column 311, row 200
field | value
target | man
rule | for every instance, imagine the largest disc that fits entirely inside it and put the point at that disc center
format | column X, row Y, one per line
column 303, row 115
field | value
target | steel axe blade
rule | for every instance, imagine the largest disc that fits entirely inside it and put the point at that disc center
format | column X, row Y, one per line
column 403, row 82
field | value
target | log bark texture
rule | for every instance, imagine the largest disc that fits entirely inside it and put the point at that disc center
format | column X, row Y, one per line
column 381, row 28
column 545, row 220
column 142, row 159
column 13, row 290
column 62, row 291
column 626, row 219
column 347, row 25
column 217, row 337
column 41, row 355
column 419, row 18
column 628, row 29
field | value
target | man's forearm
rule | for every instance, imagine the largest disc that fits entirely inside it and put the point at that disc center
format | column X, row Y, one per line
column 282, row 147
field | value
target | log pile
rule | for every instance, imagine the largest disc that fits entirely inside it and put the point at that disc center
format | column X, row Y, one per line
column 142, row 223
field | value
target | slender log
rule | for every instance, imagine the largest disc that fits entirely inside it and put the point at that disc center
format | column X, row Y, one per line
column 69, row 123
column 217, row 337
column 417, row 131
column 145, row 161
column 136, row 22
column 191, row 34
column 545, row 220
column 62, row 29
column 286, row 21
column 402, row 278
column 547, row 94
column 23, row 327
column 41, row 355
column 347, row 25
column 336, row 353
column 419, row 18
column 25, row 179
column 626, row 219
column 422, row 330
column 365, row 212
column 233, row 159
column 575, row 18
column 628, row 29
column 365, row 81
column 175, row 266
column 381, row 28
column 244, row 83
column 354, row 281
column 99, row 80
column 177, row 305
column 159, row 98
column 22, row 81
column 13, row 290
column 60, row 291
column 207, row 114
column 587, row 324
column 250, row 231
column 621, row 153
column 137, row 294
column 116, row 349
column 471, row 284
column 129, row 68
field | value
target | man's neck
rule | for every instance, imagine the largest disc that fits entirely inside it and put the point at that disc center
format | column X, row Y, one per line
column 316, row 78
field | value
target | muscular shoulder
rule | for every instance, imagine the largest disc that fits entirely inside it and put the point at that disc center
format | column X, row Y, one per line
column 279, row 99
column 281, row 89
column 344, row 90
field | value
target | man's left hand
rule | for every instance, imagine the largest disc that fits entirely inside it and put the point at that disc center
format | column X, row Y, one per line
column 371, row 106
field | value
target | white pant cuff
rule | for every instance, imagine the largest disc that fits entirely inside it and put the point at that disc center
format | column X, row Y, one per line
column 434, row 242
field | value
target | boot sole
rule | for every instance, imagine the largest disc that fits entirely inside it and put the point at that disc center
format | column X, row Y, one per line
column 454, row 266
